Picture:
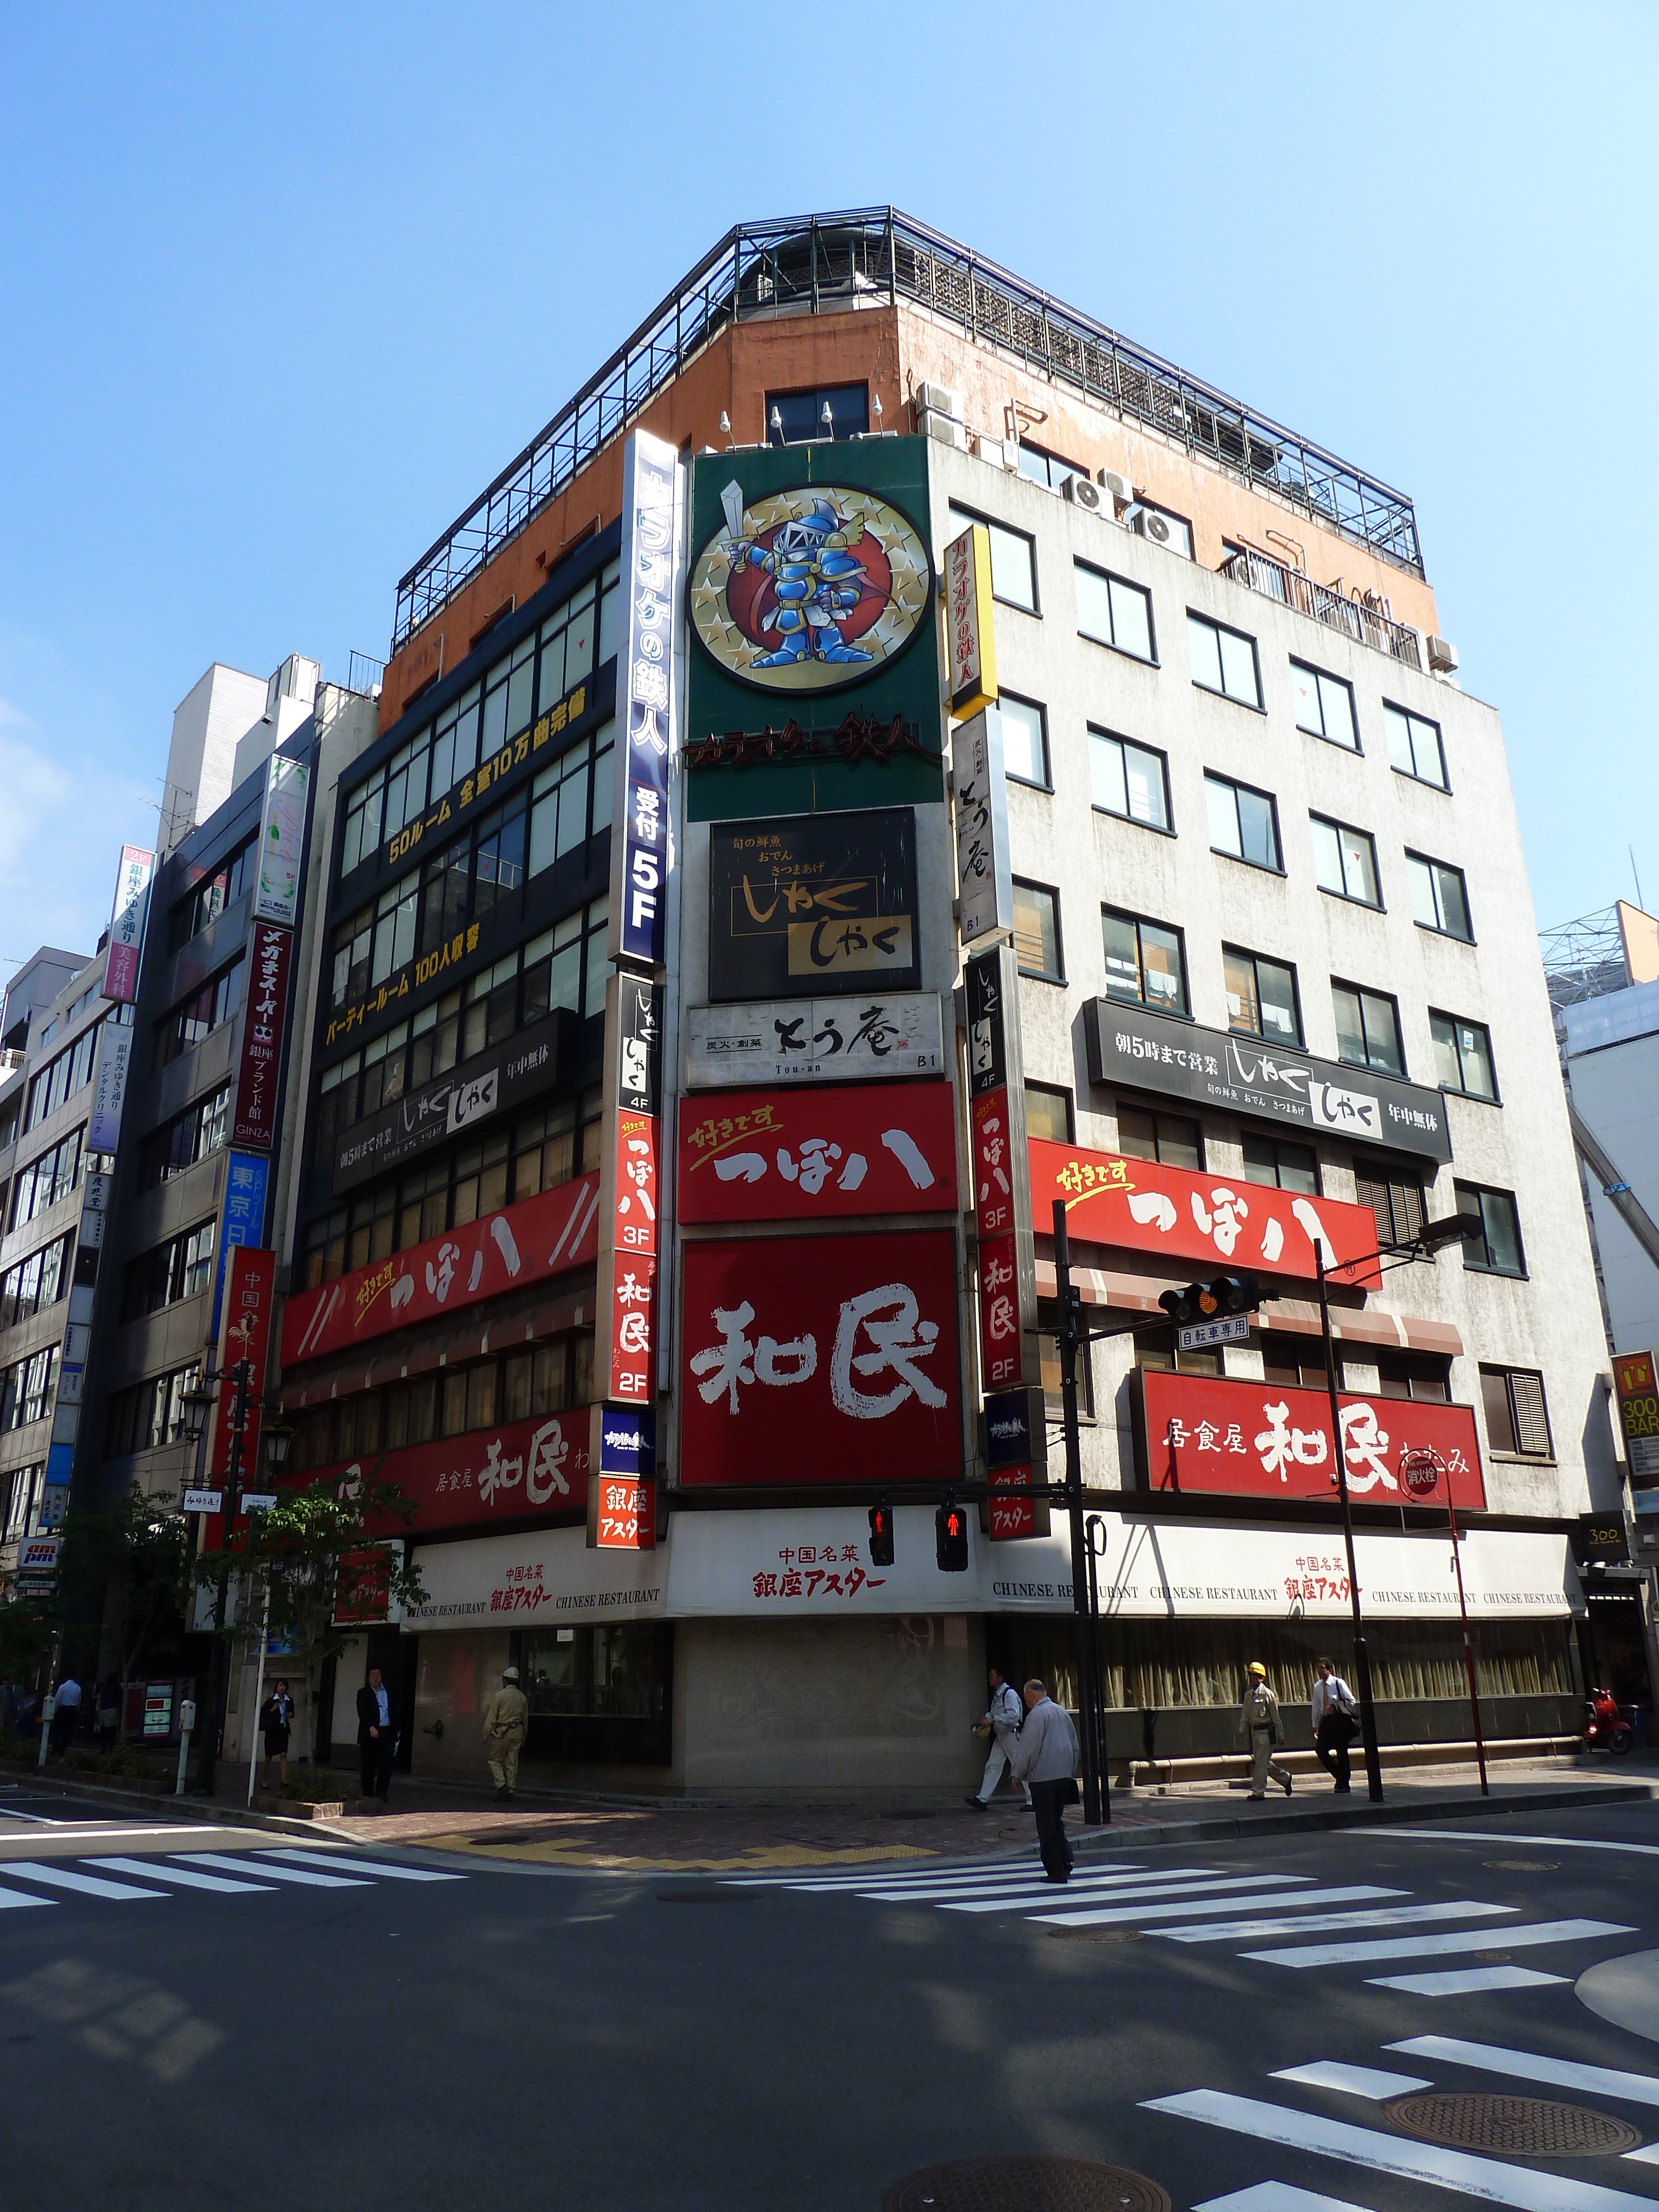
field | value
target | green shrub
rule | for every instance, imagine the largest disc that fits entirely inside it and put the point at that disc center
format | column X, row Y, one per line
column 316, row 1786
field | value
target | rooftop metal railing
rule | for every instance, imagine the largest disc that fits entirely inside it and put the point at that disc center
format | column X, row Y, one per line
column 1357, row 618
column 799, row 265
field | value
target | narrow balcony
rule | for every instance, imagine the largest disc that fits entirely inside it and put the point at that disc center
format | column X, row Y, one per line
column 1362, row 620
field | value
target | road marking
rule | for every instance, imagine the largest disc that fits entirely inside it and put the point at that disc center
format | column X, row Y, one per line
column 1647, row 2156
column 1464, row 1981
column 1487, row 2177
column 356, row 1866
column 970, row 1885
column 1274, row 1902
column 987, row 1870
column 1276, row 2197
column 9, row 1898
column 1429, row 1946
column 1559, row 1842
column 274, row 1872
column 159, row 1871
column 1355, row 2081
column 1399, row 1916
column 87, row 1884
column 1531, row 2066
column 1194, row 1894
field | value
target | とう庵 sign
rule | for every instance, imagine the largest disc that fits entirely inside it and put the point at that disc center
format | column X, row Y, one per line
column 860, row 1149
column 984, row 879
column 801, row 906
column 820, row 1362
column 1212, row 1433
column 888, row 1035
column 1143, row 1206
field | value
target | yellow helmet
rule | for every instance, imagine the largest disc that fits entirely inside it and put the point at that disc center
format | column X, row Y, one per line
column 1256, row 1668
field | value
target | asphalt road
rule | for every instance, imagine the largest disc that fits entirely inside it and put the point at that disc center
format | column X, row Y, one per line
column 521, row 2035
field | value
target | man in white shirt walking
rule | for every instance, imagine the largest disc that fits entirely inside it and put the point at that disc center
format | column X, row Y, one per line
column 1335, row 1723
column 1001, row 1723
column 1046, row 1756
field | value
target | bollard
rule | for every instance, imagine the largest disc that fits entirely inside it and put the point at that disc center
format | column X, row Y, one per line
column 186, row 1722
column 48, row 1707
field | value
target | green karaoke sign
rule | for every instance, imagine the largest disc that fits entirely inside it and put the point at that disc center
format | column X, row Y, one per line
column 814, row 682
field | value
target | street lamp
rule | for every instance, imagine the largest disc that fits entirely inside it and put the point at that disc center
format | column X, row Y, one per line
column 1427, row 1241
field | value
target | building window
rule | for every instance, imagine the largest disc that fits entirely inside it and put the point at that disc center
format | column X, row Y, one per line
column 189, row 1137
column 1048, row 1358
column 1345, row 860
column 1440, row 899
column 27, row 1389
column 1517, row 1419
column 212, row 896
column 833, row 411
column 1024, row 740
column 203, row 1012
column 559, row 810
column 1495, row 1248
column 1395, row 1197
column 36, row 1283
column 1160, row 526
column 1114, row 612
column 1170, row 1138
column 1244, row 822
column 1292, row 1364
column 1261, row 998
column 1049, row 1113
column 20, row 1494
column 1462, row 1056
column 1156, row 1348
column 1415, row 748
column 53, row 1175
column 1013, row 562
column 1367, row 1029
column 150, row 1414
column 1036, row 931
column 1145, row 964
column 1224, row 661
column 1277, row 1162
column 1046, row 469
column 549, row 1378
column 1419, row 1375
column 1129, row 781
column 56, row 1083
column 1324, row 706
column 181, row 1268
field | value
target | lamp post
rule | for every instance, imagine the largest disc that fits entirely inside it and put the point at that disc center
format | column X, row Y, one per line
column 1071, row 1335
column 1429, row 1238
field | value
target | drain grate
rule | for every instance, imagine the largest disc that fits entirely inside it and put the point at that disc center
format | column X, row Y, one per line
column 1025, row 2184
column 1529, row 2127
column 1523, row 1865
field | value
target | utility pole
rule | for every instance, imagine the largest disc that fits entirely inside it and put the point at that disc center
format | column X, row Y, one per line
column 1097, row 1807
column 219, row 1675
column 1362, row 1664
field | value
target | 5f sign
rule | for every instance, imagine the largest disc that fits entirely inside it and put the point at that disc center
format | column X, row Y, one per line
column 648, row 680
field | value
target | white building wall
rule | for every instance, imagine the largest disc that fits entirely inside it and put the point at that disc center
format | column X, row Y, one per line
column 1551, row 1320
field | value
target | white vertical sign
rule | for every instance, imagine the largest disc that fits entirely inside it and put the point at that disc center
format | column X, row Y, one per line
column 281, row 840
column 111, row 1058
column 647, row 683
column 984, row 874
column 126, row 928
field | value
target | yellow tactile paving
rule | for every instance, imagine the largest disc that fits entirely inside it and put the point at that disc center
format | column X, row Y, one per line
column 758, row 1860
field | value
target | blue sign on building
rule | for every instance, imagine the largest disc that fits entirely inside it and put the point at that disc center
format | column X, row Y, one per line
column 243, row 1219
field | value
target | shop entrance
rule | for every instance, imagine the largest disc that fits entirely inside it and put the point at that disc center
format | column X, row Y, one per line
column 600, row 1695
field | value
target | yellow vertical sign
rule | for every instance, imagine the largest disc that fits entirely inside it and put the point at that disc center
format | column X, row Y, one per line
column 971, row 634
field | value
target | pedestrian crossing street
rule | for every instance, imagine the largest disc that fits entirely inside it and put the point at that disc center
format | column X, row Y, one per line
column 112, row 1879
column 1363, row 1924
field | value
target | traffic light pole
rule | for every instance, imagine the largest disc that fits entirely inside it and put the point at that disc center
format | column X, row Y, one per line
column 1097, row 1803
column 1362, row 1664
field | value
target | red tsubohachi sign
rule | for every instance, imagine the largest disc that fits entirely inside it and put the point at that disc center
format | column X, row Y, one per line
column 1214, row 1221
column 250, row 1287
column 1261, row 1440
column 828, row 1361
column 879, row 1148
column 538, row 1238
column 632, row 1257
column 255, row 1119
column 488, row 1476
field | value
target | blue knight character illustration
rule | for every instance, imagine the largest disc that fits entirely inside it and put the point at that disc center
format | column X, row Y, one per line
column 816, row 581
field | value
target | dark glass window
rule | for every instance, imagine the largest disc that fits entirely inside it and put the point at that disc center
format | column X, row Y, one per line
column 1262, row 998
column 1145, row 963
column 1049, row 1113
column 1036, row 931
column 1243, row 822
column 794, row 418
column 1495, row 1248
column 1462, row 1056
column 1276, row 1160
column 1128, row 779
column 1170, row 1138
column 1367, row 1029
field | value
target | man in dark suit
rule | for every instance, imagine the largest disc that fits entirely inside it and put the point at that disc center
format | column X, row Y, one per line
column 375, row 1740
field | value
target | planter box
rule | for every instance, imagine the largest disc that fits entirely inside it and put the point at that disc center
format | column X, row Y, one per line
column 296, row 1808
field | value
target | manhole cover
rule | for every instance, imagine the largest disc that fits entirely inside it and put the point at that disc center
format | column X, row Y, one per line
column 1523, row 1865
column 703, row 1896
column 1098, row 1935
column 1025, row 2184
column 1531, row 2127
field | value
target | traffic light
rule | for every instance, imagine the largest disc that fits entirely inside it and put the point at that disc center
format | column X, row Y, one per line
column 881, row 1536
column 951, row 1538
column 1217, row 1300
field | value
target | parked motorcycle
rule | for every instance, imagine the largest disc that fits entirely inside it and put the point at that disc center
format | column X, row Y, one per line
column 1606, row 1728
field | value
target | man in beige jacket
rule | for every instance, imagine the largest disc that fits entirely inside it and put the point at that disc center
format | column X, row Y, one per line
column 1258, row 1721
column 505, row 1721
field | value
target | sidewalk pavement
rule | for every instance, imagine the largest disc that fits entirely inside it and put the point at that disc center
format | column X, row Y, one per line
column 686, row 1836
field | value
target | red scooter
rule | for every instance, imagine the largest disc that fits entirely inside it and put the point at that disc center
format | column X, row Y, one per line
column 1606, row 1728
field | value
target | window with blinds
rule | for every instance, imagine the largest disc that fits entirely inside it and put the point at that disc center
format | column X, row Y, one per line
column 1395, row 1199
column 1517, row 1419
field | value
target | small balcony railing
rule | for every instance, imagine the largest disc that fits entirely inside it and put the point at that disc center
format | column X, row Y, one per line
column 1364, row 623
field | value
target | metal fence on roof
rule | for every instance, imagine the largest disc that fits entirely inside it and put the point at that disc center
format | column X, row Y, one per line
column 799, row 264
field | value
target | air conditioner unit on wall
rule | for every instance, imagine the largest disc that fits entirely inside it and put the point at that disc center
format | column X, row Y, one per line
column 1084, row 492
column 939, row 400
column 943, row 427
column 1443, row 656
column 1155, row 526
column 1122, row 489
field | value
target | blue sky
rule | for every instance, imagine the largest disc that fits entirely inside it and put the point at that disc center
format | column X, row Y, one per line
column 282, row 288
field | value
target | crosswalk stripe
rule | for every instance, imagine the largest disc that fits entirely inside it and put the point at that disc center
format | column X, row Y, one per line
column 973, row 1900
column 1354, row 2081
column 1533, row 2066
column 1490, row 2178
column 86, row 1884
column 9, row 1898
column 274, row 1872
column 383, row 1866
column 1429, row 1946
column 1464, row 1981
column 1276, row 2197
column 1399, row 1916
column 947, row 1885
column 183, row 1877
column 1275, row 1901
column 1647, row 2156
column 896, row 1876
column 1558, row 1843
